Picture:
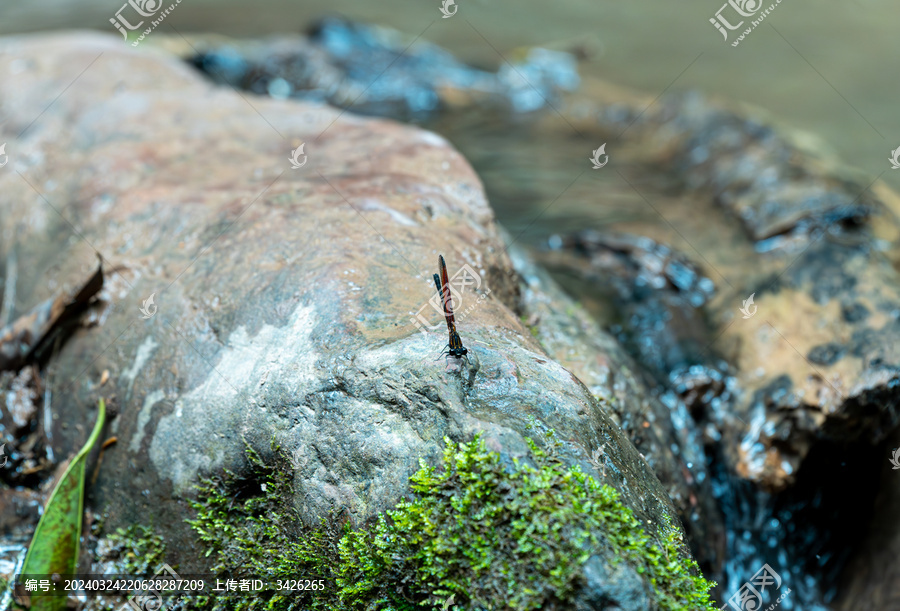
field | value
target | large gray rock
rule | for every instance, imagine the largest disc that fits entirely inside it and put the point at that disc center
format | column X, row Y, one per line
column 284, row 295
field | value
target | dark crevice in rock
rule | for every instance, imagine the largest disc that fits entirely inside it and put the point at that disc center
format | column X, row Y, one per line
column 827, row 512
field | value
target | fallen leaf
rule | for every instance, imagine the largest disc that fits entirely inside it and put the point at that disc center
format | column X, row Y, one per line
column 54, row 547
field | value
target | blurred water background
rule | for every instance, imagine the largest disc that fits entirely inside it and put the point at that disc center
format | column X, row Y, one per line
column 824, row 67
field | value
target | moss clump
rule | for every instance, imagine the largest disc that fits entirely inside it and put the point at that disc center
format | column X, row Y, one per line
column 509, row 538
column 494, row 536
column 135, row 550
column 252, row 530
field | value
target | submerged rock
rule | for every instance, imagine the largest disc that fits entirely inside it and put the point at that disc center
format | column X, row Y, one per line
column 374, row 70
column 254, row 301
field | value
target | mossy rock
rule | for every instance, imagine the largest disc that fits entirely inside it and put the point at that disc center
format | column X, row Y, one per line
column 532, row 534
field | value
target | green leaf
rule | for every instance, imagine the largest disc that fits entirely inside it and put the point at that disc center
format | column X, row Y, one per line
column 54, row 547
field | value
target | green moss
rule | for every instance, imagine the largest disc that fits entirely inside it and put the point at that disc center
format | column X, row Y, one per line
column 495, row 535
column 515, row 537
column 250, row 529
column 136, row 550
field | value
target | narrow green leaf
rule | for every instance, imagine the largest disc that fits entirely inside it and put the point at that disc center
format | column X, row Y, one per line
column 54, row 547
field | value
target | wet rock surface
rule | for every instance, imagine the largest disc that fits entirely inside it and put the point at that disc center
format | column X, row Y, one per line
column 652, row 288
column 659, row 426
column 269, row 303
column 778, row 192
column 377, row 71
column 819, row 360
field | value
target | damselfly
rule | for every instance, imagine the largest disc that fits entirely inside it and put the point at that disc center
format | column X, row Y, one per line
column 455, row 347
